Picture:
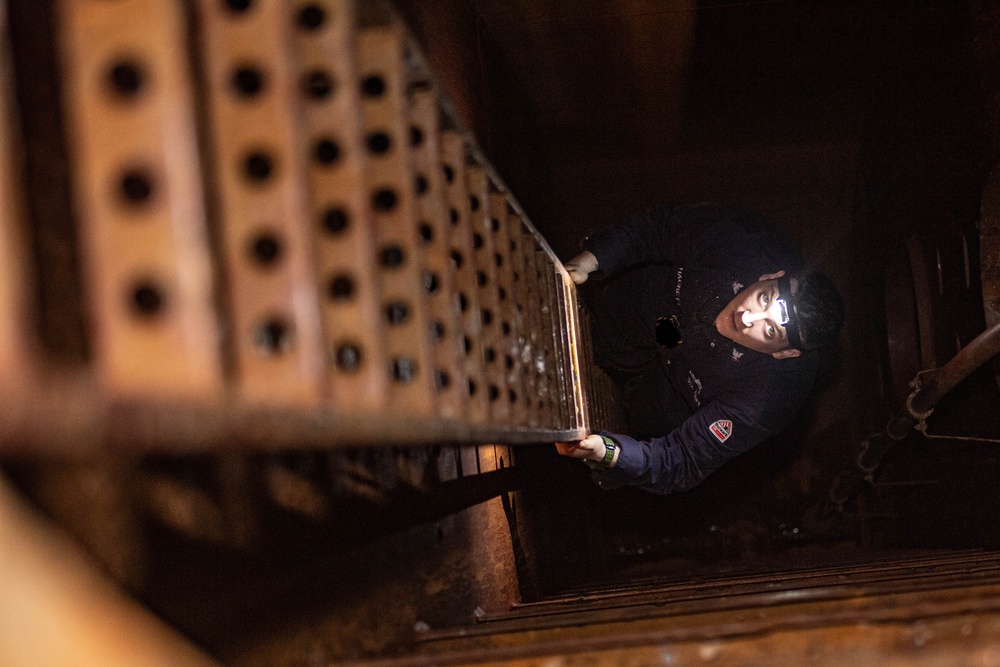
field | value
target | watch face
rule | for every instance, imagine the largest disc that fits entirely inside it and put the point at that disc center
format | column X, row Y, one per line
column 668, row 332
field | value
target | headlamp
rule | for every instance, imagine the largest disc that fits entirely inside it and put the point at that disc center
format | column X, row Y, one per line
column 789, row 312
column 783, row 307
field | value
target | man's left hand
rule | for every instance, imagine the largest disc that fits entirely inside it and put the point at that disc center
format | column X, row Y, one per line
column 581, row 266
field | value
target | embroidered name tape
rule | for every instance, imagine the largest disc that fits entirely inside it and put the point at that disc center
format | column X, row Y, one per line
column 721, row 429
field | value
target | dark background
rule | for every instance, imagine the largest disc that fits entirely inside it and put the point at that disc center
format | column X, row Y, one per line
column 854, row 125
column 866, row 129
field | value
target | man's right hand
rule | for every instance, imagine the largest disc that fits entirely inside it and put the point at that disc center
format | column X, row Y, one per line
column 581, row 266
column 591, row 448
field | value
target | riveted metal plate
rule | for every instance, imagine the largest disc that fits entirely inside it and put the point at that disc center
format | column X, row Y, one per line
column 389, row 185
column 340, row 220
column 260, row 182
column 138, row 193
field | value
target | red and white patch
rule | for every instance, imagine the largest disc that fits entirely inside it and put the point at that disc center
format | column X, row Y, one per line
column 722, row 429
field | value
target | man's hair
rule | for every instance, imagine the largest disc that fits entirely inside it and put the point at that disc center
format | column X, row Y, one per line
column 820, row 309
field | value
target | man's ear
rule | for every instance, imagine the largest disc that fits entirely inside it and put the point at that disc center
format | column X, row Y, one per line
column 772, row 276
column 789, row 353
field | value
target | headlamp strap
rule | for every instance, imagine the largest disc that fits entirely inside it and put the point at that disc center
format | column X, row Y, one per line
column 789, row 312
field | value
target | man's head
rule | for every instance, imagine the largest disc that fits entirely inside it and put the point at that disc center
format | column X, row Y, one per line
column 781, row 315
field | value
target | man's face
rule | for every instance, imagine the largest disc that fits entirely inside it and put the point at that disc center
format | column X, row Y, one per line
column 753, row 319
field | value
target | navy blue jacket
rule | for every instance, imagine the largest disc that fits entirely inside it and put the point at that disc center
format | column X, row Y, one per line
column 688, row 262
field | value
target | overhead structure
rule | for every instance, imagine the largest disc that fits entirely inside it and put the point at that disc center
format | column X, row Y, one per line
column 284, row 236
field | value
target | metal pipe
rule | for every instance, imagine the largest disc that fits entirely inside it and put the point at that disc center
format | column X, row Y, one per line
column 922, row 401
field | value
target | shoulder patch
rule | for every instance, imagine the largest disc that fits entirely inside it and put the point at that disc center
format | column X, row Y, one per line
column 722, row 429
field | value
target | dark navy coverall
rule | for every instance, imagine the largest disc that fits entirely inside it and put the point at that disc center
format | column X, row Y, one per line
column 693, row 406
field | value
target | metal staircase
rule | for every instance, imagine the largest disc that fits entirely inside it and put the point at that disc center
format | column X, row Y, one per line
column 283, row 236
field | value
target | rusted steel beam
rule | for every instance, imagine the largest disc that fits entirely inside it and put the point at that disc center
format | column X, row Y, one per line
column 61, row 418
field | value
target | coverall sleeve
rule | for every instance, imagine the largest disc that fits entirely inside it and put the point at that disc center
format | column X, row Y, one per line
column 701, row 235
column 686, row 456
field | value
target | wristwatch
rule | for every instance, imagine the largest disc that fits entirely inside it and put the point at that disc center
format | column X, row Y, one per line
column 610, row 447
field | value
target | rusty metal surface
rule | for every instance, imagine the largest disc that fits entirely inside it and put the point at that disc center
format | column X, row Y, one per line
column 138, row 194
column 558, row 357
column 929, row 562
column 450, row 373
column 523, row 319
column 453, row 166
column 241, row 503
column 933, row 636
column 511, row 328
column 234, row 520
column 478, row 188
column 389, row 184
column 818, row 585
column 63, row 419
column 340, row 218
column 900, row 597
column 264, row 194
column 259, row 180
column 540, row 335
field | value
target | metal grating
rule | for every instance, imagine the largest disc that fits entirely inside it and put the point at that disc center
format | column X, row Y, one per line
column 139, row 201
column 288, row 239
column 438, row 279
column 260, row 185
column 343, row 235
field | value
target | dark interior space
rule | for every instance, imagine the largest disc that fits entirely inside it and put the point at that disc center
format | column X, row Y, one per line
column 870, row 131
column 857, row 126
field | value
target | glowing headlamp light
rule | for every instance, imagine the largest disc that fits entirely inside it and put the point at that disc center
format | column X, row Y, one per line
column 789, row 312
column 783, row 306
